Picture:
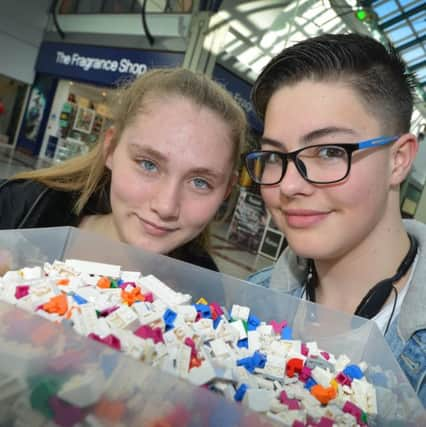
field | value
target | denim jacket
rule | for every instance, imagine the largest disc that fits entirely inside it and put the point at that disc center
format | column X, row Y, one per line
column 407, row 333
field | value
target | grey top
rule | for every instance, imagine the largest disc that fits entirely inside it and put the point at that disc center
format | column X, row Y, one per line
column 288, row 274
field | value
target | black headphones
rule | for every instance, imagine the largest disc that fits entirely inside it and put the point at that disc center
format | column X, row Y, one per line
column 376, row 297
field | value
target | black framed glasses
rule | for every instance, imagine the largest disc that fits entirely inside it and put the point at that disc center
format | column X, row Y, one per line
column 317, row 164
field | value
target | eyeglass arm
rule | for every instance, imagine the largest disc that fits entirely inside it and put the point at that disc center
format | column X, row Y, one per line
column 381, row 140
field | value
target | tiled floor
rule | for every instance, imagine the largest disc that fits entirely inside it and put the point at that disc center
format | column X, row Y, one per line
column 230, row 259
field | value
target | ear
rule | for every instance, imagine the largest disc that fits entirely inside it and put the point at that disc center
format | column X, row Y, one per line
column 404, row 152
column 232, row 181
column 108, row 146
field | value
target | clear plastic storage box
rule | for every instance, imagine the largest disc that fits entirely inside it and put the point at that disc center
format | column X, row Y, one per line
column 36, row 355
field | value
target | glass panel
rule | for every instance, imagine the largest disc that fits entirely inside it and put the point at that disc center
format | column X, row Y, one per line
column 414, row 53
column 386, row 10
column 419, row 23
column 421, row 73
column 408, row 4
column 400, row 33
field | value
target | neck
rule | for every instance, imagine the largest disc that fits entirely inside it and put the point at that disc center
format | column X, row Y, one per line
column 101, row 224
column 343, row 282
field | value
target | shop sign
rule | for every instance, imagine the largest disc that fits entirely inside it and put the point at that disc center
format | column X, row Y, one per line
column 241, row 92
column 102, row 65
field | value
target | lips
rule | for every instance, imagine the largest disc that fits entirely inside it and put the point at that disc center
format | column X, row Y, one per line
column 156, row 229
column 302, row 218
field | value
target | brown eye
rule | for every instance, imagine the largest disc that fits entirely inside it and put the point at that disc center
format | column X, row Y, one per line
column 331, row 152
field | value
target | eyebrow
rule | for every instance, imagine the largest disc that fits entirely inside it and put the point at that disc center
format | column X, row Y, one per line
column 142, row 150
column 312, row 136
column 138, row 149
column 207, row 173
column 319, row 133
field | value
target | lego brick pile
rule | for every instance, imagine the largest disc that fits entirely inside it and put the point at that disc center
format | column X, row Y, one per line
column 233, row 353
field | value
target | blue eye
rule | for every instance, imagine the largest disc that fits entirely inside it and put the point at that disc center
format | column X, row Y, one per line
column 200, row 183
column 147, row 165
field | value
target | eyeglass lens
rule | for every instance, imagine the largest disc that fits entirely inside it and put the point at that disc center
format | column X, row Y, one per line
column 319, row 164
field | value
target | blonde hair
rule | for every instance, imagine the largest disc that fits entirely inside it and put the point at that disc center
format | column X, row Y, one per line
column 88, row 174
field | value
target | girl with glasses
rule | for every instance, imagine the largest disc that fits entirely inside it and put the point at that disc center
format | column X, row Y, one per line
column 335, row 149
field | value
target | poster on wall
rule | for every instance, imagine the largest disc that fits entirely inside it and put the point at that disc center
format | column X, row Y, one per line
column 84, row 120
column 248, row 222
column 34, row 115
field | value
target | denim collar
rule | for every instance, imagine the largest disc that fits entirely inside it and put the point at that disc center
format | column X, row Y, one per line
column 289, row 270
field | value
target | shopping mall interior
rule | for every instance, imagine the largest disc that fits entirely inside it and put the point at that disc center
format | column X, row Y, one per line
column 54, row 105
column 95, row 332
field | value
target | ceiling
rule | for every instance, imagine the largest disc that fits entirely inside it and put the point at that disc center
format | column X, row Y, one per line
column 260, row 29
column 404, row 23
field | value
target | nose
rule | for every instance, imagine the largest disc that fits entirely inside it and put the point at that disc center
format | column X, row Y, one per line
column 293, row 182
column 166, row 198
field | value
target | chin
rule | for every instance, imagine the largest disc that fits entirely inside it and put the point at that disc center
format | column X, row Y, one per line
column 308, row 248
column 155, row 247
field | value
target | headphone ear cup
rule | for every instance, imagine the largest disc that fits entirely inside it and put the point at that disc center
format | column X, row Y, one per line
column 372, row 303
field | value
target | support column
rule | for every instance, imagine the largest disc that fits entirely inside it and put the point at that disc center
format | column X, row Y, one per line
column 207, row 35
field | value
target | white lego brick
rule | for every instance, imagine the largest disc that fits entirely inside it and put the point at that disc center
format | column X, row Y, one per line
column 258, row 400
column 90, row 294
column 41, row 290
column 364, row 396
column 182, row 299
column 239, row 312
column 130, row 276
column 94, row 268
column 322, row 376
column 238, row 325
column 202, row 374
column 188, row 312
column 90, row 280
column 182, row 360
column 204, row 327
column 265, row 330
column 158, row 288
column 159, row 305
column 83, row 390
column 341, row 362
column 30, row 273
column 264, row 383
column 89, row 317
column 150, row 318
column 371, row 399
column 281, row 347
column 253, row 340
column 103, row 302
column 12, row 276
column 219, row 347
column 141, row 308
column 102, row 328
column 124, row 318
column 227, row 333
column 275, row 365
column 289, row 417
column 313, row 348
